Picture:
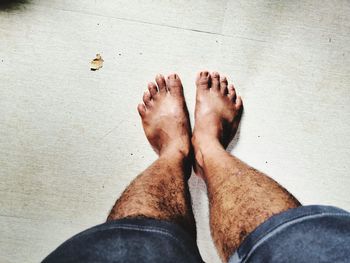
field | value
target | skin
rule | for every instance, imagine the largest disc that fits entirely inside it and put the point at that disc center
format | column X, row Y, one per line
column 240, row 197
column 161, row 191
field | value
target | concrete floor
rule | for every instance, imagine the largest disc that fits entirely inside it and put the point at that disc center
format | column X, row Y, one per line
column 71, row 139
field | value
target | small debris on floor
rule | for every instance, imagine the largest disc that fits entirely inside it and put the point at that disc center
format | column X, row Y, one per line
column 96, row 63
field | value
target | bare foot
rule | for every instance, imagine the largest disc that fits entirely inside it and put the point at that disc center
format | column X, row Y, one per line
column 165, row 117
column 217, row 114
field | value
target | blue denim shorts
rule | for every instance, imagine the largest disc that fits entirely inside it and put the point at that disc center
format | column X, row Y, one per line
column 304, row 234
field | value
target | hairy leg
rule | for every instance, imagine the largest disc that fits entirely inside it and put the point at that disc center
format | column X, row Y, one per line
column 161, row 191
column 240, row 197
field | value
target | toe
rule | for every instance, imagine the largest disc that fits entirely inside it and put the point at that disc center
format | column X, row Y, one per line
column 203, row 80
column 147, row 98
column 231, row 92
column 215, row 80
column 161, row 83
column 141, row 108
column 239, row 103
column 152, row 87
column 174, row 85
column 223, row 85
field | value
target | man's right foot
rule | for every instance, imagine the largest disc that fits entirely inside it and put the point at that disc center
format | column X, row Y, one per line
column 217, row 114
column 165, row 118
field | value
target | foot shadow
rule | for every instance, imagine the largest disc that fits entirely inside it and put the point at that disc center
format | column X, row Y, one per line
column 11, row 5
column 235, row 140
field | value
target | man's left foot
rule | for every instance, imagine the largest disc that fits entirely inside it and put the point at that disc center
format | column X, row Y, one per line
column 165, row 116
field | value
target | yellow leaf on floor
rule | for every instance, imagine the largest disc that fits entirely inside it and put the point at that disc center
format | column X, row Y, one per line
column 96, row 63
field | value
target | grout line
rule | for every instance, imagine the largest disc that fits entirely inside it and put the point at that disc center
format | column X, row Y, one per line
column 157, row 24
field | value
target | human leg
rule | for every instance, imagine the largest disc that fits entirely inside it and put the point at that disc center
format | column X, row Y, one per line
column 152, row 221
column 240, row 197
column 161, row 191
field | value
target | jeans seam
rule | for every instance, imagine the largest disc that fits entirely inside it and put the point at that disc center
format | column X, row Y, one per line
column 136, row 228
column 147, row 229
column 262, row 238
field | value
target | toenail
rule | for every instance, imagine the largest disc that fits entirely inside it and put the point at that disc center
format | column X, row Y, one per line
column 215, row 74
column 172, row 76
column 205, row 73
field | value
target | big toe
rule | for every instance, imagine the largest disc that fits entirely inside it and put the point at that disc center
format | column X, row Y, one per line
column 203, row 80
column 174, row 85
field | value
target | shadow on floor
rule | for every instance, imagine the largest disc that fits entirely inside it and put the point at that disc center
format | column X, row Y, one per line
column 234, row 142
column 10, row 5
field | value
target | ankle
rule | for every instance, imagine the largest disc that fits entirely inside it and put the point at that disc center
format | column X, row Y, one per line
column 180, row 157
column 206, row 144
column 176, row 150
column 205, row 147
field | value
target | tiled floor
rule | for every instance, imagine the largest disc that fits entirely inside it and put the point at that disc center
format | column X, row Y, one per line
column 71, row 139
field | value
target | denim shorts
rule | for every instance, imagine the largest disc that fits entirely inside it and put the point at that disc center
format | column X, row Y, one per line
column 304, row 234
